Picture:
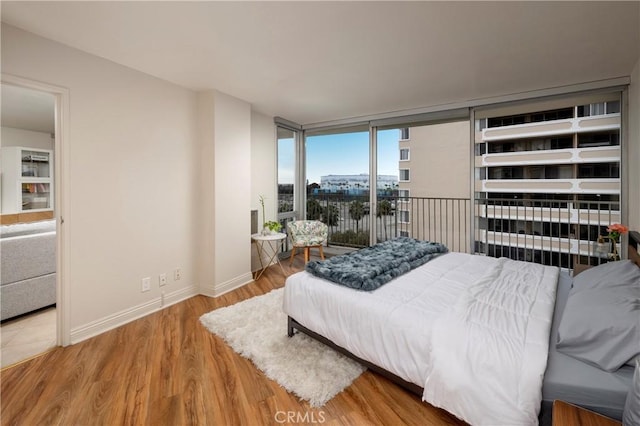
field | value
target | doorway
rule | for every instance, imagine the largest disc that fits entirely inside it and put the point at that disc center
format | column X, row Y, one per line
column 33, row 314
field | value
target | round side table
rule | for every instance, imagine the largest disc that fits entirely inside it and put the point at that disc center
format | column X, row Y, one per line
column 269, row 245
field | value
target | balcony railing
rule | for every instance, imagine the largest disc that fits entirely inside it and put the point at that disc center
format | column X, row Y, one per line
column 548, row 231
column 445, row 220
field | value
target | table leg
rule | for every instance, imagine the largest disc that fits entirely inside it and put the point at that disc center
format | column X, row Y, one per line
column 274, row 255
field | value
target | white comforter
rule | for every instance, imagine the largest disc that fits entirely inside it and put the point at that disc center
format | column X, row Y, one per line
column 472, row 330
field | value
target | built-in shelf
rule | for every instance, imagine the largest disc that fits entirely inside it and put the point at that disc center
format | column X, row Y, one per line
column 27, row 180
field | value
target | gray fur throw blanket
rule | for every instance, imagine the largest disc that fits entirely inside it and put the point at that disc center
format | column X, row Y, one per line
column 369, row 268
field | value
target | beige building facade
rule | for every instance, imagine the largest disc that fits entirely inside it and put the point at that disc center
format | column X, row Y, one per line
column 435, row 183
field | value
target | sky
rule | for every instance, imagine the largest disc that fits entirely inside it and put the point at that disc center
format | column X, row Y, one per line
column 340, row 154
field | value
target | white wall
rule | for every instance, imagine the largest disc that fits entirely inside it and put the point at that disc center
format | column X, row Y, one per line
column 131, row 164
column 226, row 189
column 27, row 138
column 634, row 149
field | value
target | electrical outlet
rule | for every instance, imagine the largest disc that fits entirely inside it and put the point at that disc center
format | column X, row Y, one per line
column 177, row 273
column 146, row 284
column 162, row 279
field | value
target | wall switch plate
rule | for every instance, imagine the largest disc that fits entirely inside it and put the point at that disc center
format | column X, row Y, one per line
column 177, row 274
column 146, row 284
column 162, row 279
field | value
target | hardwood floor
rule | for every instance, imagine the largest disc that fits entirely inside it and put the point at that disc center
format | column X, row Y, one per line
column 167, row 369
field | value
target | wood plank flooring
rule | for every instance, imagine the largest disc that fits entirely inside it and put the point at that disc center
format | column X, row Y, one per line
column 167, row 369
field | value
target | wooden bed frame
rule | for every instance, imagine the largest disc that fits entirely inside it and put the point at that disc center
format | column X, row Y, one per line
column 292, row 325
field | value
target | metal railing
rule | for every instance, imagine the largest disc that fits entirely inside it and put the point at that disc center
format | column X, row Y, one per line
column 547, row 231
column 446, row 220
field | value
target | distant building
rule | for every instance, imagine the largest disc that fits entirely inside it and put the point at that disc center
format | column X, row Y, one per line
column 556, row 167
column 355, row 184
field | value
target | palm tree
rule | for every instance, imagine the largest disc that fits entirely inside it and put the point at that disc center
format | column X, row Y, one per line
column 314, row 209
column 356, row 211
column 331, row 215
column 384, row 210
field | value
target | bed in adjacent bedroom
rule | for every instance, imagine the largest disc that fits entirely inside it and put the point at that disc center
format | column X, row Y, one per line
column 470, row 333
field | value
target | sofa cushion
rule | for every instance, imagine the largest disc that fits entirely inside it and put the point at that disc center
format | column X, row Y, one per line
column 27, row 256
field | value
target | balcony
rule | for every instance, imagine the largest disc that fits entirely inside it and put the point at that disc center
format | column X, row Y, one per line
column 552, row 232
column 600, row 154
column 551, row 186
column 550, row 128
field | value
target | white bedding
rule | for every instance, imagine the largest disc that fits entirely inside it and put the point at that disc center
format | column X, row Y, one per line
column 416, row 326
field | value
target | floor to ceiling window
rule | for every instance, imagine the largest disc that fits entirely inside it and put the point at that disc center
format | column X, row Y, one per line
column 428, row 198
column 337, row 179
column 412, row 159
column 548, row 180
column 286, row 170
column 538, row 180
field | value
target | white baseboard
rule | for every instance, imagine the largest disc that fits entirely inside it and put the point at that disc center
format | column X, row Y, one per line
column 123, row 317
column 227, row 286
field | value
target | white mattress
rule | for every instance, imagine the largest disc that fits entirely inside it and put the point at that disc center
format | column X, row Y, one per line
column 405, row 308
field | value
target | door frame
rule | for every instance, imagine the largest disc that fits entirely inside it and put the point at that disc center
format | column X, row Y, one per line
column 61, row 185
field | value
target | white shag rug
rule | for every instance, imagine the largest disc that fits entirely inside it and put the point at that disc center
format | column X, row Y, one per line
column 257, row 329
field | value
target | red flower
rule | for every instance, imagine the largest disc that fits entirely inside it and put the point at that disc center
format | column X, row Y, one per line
column 615, row 230
column 619, row 228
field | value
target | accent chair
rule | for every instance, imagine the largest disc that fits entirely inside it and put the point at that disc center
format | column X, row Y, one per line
column 307, row 234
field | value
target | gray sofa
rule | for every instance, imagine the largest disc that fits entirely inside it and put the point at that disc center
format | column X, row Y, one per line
column 28, row 268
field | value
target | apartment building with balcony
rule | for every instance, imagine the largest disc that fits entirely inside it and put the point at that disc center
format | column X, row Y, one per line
column 544, row 177
column 547, row 179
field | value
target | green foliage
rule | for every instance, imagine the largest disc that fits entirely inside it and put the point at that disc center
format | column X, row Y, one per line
column 285, row 207
column 314, row 209
column 384, row 208
column 331, row 215
column 273, row 226
column 356, row 211
column 350, row 238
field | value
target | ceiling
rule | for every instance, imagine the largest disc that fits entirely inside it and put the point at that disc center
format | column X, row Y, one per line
column 313, row 62
column 27, row 109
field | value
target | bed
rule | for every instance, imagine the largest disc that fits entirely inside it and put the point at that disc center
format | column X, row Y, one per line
column 439, row 332
column 577, row 382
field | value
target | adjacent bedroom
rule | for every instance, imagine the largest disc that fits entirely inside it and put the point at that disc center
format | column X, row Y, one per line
column 345, row 213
